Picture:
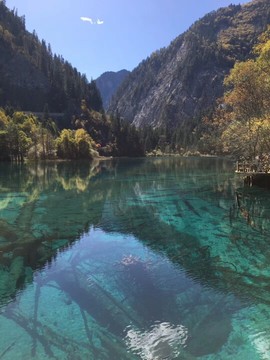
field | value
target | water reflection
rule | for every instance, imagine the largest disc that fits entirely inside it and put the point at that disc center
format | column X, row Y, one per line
column 252, row 204
column 160, row 342
column 150, row 259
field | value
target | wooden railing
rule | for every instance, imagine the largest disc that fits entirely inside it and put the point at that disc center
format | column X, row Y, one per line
column 244, row 167
column 255, row 166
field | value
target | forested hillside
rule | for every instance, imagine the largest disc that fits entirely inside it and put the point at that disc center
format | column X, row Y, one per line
column 207, row 92
column 176, row 85
column 32, row 76
column 34, row 84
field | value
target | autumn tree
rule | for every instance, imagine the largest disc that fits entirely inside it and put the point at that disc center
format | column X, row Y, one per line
column 77, row 144
column 241, row 122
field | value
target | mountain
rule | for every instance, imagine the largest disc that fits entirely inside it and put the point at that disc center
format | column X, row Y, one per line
column 37, row 86
column 108, row 83
column 177, row 84
column 31, row 76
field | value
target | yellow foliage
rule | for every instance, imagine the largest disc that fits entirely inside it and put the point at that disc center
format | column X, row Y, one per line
column 82, row 135
column 249, row 85
column 3, row 119
column 242, row 119
column 248, row 139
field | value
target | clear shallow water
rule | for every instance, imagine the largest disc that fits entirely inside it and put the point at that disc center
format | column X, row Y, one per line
column 133, row 259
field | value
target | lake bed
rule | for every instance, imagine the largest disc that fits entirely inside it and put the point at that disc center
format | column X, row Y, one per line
column 163, row 258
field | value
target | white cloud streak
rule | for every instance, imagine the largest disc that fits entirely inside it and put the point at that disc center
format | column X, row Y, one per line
column 91, row 21
column 87, row 19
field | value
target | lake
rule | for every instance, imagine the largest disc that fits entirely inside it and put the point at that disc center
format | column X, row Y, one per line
column 163, row 258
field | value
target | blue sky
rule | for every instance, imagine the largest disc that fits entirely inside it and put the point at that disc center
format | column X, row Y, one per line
column 109, row 35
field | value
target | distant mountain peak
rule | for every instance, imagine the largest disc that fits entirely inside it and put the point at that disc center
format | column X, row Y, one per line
column 108, row 83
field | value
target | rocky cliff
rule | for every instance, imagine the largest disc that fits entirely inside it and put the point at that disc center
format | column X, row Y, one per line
column 179, row 83
column 108, row 83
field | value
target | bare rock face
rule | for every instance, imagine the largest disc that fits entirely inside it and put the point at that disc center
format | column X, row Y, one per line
column 179, row 83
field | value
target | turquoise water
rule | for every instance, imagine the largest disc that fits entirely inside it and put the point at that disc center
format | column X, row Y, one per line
column 133, row 259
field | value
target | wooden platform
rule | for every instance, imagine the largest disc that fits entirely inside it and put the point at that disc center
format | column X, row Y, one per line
column 254, row 173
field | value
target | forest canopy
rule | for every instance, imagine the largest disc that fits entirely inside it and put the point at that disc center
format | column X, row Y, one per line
column 240, row 125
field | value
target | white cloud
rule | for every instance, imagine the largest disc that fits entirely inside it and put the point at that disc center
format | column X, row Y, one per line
column 91, row 21
column 87, row 19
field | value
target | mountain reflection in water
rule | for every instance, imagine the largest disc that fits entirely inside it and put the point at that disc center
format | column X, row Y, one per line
column 133, row 259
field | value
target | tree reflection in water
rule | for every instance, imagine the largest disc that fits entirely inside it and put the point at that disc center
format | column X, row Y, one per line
column 118, row 259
